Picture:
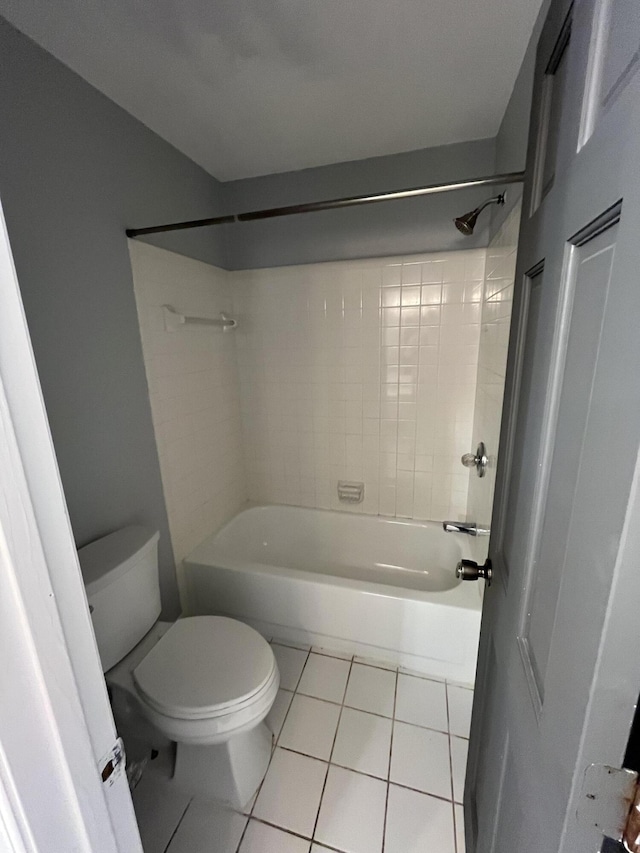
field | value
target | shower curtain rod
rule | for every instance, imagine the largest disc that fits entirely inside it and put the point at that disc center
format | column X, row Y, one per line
column 311, row 207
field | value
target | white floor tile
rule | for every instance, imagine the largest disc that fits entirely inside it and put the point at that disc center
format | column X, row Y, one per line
column 260, row 838
column 460, row 704
column 381, row 664
column 291, row 792
column 352, row 812
column 290, row 664
column 460, row 828
column 275, row 717
column 459, row 750
column 363, row 743
column 159, row 807
column 332, row 653
column 420, row 759
column 417, row 823
column 422, row 702
column 325, row 678
column 310, row 727
column 207, row 825
column 371, row 689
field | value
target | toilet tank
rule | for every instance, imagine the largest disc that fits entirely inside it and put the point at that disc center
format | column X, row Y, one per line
column 120, row 574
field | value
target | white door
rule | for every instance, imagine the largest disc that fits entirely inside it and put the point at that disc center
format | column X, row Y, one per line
column 56, row 727
column 559, row 666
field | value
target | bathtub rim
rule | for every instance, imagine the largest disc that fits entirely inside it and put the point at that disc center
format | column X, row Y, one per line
column 467, row 596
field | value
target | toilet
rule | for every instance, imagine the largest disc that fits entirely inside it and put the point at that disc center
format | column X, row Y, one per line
column 205, row 682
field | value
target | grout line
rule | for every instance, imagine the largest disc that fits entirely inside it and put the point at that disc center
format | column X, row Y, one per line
column 386, row 799
column 276, row 738
column 422, row 677
column 295, row 689
column 374, row 713
column 329, row 847
column 398, row 720
column 419, row 791
column 333, row 746
column 321, row 698
column 276, row 745
column 368, row 775
column 281, row 828
column 286, row 645
column 319, row 650
column 375, row 665
column 453, row 802
column 459, row 686
column 294, row 834
column 186, row 809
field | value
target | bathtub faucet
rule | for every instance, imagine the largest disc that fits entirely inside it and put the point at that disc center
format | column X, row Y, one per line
column 469, row 527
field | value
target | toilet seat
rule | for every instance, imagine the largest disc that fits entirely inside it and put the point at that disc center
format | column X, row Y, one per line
column 207, row 677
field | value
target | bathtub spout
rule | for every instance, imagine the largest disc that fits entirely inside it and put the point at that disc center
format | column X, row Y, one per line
column 468, row 527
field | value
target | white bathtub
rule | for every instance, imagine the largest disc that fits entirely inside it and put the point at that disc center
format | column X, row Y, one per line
column 372, row 586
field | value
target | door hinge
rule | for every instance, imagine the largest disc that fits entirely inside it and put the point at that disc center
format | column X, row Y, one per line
column 631, row 833
column 607, row 796
column 113, row 764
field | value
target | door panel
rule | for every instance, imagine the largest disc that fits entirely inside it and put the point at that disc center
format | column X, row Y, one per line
column 622, row 52
column 567, row 478
column 589, row 273
column 556, row 86
column 614, row 56
column 533, row 369
column 553, row 84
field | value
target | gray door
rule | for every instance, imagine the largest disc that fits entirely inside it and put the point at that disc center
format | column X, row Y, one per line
column 559, row 665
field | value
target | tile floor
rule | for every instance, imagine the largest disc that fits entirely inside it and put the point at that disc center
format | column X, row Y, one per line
column 367, row 759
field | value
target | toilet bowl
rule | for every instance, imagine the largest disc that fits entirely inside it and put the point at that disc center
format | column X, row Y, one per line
column 204, row 682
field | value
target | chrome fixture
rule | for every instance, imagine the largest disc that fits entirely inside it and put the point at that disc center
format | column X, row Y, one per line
column 479, row 460
column 173, row 320
column 467, row 222
column 468, row 527
column 469, row 570
column 336, row 203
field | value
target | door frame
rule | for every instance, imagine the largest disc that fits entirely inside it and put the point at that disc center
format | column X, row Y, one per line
column 57, row 728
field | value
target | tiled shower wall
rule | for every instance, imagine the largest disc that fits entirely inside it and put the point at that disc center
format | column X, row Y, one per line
column 492, row 361
column 361, row 371
column 194, row 390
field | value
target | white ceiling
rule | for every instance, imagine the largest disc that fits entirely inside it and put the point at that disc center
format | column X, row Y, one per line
column 250, row 87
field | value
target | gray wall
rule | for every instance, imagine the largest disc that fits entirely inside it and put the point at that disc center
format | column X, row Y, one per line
column 390, row 228
column 74, row 171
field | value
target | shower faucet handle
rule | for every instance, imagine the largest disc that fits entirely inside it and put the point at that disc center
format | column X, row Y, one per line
column 478, row 460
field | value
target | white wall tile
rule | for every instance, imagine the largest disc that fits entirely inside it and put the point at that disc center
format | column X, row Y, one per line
column 194, row 390
column 359, row 370
column 493, row 328
column 349, row 370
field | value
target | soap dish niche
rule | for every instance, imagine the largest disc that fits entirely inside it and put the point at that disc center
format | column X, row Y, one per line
column 350, row 493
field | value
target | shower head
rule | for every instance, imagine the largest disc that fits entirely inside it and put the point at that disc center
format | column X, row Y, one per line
column 467, row 222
